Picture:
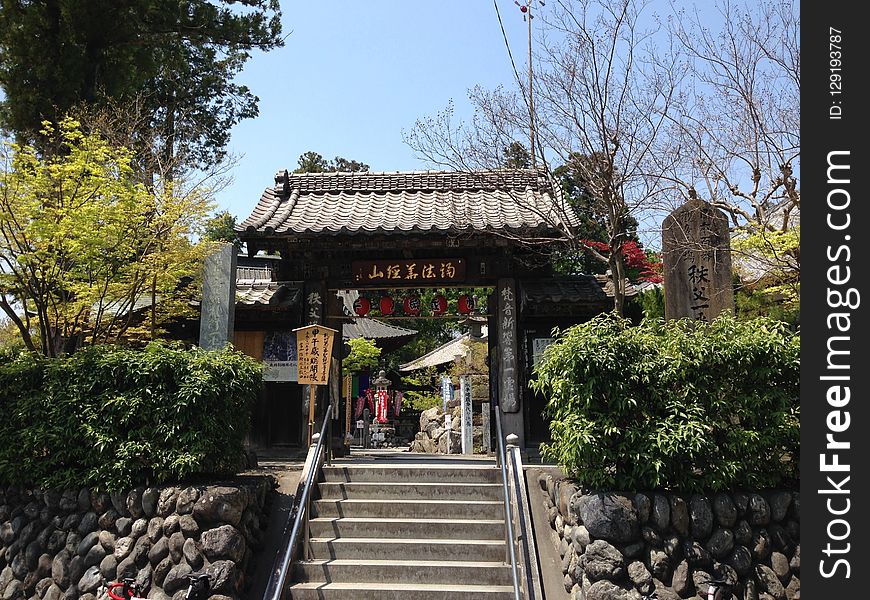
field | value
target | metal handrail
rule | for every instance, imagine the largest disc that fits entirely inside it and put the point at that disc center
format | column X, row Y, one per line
column 275, row 588
column 527, row 537
column 509, row 528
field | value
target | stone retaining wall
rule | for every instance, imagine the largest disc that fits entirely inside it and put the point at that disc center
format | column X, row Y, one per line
column 66, row 545
column 621, row 547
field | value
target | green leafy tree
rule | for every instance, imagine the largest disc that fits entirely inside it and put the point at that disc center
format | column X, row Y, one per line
column 608, row 223
column 423, row 399
column 364, row 355
column 221, row 228
column 517, row 156
column 85, row 246
column 176, row 59
column 10, row 338
column 768, row 267
column 312, row 162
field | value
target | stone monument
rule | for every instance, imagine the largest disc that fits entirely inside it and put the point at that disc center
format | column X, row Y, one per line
column 696, row 252
column 217, row 319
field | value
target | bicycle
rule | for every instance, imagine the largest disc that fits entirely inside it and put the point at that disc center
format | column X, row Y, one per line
column 198, row 587
column 718, row 589
column 130, row 590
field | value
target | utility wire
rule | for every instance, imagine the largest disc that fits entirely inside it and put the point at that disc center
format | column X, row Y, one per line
column 508, row 46
column 517, row 74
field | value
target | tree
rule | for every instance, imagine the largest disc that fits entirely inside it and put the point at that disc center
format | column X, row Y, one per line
column 84, row 244
column 517, row 156
column 364, row 354
column 737, row 134
column 221, row 228
column 600, row 105
column 312, row 162
column 591, row 256
column 177, row 58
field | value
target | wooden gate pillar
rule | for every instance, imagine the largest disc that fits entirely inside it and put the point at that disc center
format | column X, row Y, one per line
column 509, row 398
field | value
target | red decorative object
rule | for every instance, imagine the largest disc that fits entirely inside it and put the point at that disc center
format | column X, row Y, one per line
column 465, row 304
column 362, row 306
column 524, row 8
column 387, row 306
column 381, row 406
column 411, row 305
column 439, row 305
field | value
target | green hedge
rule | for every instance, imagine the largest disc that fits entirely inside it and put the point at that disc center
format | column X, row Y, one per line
column 675, row 405
column 111, row 418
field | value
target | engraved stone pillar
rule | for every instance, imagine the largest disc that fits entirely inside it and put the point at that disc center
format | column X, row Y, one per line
column 217, row 318
column 696, row 252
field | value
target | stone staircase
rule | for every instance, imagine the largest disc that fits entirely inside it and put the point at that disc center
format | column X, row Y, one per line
column 406, row 526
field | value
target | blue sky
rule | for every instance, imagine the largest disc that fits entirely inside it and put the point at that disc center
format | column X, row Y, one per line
column 353, row 75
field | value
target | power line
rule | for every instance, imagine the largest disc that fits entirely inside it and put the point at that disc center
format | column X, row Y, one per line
column 526, row 98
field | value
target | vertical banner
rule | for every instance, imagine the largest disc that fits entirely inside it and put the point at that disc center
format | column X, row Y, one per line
column 335, row 388
column 446, row 391
column 507, row 339
column 314, row 350
column 313, row 310
column 487, row 433
column 381, row 402
column 466, row 415
column 348, row 399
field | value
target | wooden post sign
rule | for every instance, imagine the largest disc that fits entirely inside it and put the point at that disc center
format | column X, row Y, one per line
column 314, row 351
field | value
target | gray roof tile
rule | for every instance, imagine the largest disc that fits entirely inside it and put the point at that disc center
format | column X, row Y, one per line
column 336, row 203
column 258, row 292
column 374, row 329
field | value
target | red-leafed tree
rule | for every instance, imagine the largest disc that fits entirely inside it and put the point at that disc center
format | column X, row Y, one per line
column 640, row 264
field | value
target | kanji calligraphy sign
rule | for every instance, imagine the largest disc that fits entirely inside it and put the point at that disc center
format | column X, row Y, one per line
column 314, row 349
column 420, row 271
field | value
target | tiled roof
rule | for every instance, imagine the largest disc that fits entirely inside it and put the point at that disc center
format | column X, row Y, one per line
column 256, row 292
column 631, row 289
column 416, row 201
column 579, row 289
column 443, row 354
column 373, row 329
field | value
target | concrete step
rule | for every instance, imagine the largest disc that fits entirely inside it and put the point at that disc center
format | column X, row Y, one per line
column 398, row 591
column 410, row 509
column 410, row 491
column 403, row 571
column 350, row 527
column 422, row 473
column 459, row 549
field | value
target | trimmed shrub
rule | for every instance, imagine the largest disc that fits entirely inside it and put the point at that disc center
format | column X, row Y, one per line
column 677, row 404
column 111, row 418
